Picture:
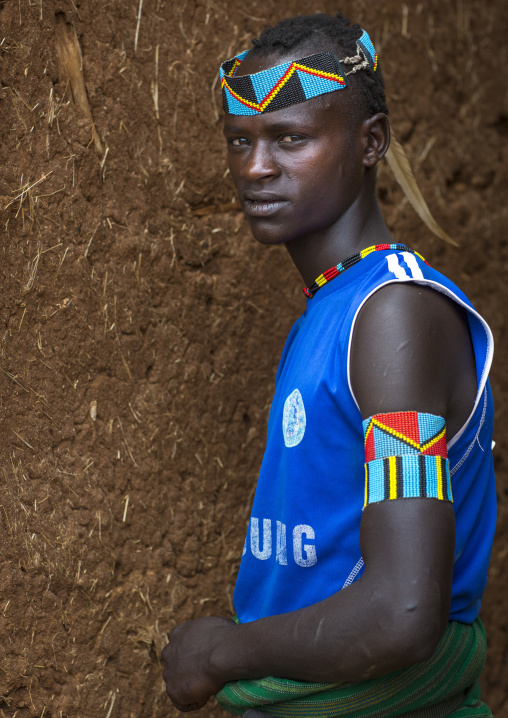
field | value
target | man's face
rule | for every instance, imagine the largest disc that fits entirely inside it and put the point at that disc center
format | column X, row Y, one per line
column 297, row 170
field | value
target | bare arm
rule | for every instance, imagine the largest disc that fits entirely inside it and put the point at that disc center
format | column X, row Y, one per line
column 392, row 617
column 411, row 351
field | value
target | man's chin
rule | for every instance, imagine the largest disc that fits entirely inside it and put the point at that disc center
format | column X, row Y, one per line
column 266, row 235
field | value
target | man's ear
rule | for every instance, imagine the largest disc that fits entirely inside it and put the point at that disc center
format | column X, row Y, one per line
column 376, row 133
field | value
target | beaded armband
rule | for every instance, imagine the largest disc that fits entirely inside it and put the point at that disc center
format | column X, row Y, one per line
column 406, row 457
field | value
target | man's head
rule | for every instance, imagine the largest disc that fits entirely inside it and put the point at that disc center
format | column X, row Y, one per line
column 300, row 37
column 300, row 159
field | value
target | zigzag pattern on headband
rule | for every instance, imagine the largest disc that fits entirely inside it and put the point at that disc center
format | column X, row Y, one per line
column 290, row 82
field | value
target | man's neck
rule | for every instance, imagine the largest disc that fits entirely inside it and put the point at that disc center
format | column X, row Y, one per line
column 360, row 227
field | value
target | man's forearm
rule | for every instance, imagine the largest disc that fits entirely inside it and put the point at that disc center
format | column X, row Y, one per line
column 392, row 617
column 347, row 637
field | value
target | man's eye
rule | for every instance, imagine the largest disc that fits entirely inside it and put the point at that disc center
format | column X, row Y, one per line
column 290, row 138
column 238, row 141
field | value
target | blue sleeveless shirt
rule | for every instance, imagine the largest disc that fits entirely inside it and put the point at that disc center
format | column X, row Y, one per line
column 303, row 539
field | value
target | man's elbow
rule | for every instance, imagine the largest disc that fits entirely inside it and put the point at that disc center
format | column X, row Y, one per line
column 416, row 627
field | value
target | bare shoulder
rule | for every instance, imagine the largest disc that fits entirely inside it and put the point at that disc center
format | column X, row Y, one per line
column 411, row 308
column 411, row 350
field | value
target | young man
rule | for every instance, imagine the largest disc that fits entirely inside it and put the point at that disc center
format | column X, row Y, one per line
column 370, row 535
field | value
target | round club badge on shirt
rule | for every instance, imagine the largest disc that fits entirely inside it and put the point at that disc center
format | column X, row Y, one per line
column 293, row 419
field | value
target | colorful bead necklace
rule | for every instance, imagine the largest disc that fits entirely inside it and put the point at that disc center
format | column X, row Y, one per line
column 349, row 262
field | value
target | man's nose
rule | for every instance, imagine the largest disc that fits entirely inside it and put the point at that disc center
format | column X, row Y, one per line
column 260, row 163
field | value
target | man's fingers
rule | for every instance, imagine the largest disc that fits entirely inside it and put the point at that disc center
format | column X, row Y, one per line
column 188, row 707
column 163, row 652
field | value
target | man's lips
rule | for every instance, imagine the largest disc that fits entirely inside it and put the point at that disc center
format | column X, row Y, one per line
column 261, row 204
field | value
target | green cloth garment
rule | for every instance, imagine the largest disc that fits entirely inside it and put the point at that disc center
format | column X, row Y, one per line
column 443, row 686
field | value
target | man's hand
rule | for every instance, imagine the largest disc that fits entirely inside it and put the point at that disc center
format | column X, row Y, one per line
column 190, row 674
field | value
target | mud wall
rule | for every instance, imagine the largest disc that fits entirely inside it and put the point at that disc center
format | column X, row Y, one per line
column 140, row 325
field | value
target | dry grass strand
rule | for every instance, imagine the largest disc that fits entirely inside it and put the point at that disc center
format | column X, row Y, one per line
column 70, row 65
column 399, row 165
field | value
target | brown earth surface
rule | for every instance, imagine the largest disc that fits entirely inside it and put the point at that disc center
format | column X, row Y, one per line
column 141, row 325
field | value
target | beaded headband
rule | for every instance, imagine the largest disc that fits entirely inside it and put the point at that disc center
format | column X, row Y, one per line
column 291, row 82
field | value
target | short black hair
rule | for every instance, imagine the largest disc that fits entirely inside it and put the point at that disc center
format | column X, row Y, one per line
column 318, row 31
